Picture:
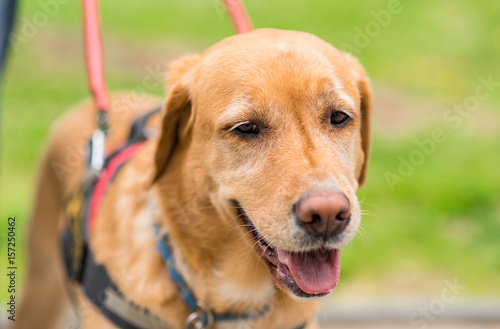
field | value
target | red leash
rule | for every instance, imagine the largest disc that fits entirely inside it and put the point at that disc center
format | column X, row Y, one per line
column 239, row 15
column 94, row 50
column 95, row 71
column 94, row 54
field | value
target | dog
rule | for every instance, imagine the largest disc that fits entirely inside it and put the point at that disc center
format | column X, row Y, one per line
column 260, row 147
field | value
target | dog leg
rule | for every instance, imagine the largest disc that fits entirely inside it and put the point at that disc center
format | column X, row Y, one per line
column 44, row 291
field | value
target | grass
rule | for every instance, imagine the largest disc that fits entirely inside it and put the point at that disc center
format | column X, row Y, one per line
column 443, row 218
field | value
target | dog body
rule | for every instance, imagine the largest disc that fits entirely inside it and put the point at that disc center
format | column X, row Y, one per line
column 259, row 137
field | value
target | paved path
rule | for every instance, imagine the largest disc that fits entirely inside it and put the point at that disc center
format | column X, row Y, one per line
column 430, row 326
column 384, row 314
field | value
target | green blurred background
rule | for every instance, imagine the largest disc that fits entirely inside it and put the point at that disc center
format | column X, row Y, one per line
column 440, row 220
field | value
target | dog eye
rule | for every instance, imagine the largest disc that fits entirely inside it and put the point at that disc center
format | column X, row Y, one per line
column 339, row 118
column 247, row 128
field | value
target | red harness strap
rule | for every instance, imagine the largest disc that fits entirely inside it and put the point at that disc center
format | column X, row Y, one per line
column 107, row 175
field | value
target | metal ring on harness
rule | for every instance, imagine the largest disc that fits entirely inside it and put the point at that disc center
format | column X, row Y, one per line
column 201, row 318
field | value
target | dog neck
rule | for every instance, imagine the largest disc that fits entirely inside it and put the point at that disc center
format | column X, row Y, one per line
column 212, row 257
column 216, row 263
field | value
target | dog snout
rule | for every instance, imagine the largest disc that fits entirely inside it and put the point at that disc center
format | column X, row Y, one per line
column 324, row 214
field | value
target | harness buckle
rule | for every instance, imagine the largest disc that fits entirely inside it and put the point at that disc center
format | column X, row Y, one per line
column 97, row 155
column 201, row 318
column 97, row 145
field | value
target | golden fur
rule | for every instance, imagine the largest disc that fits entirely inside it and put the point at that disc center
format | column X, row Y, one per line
column 185, row 178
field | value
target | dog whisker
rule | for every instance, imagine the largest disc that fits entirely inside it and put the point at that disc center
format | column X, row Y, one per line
column 238, row 226
column 368, row 213
column 264, row 251
column 245, row 235
column 361, row 234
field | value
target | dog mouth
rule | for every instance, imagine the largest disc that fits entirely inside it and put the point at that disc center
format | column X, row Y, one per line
column 306, row 274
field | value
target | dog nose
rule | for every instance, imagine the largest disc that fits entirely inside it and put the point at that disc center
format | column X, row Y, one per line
column 324, row 214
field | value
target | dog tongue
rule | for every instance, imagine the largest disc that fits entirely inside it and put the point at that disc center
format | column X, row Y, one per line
column 315, row 272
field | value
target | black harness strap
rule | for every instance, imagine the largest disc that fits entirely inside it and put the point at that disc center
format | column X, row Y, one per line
column 102, row 292
column 79, row 258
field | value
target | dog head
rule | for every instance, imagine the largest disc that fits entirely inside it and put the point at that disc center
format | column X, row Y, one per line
column 272, row 127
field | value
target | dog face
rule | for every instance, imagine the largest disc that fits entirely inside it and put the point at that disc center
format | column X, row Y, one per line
column 273, row 126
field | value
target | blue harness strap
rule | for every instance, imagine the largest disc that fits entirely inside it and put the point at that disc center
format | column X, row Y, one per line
column 201, row 315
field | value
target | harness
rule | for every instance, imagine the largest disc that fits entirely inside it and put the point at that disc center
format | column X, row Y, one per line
column 81, row 210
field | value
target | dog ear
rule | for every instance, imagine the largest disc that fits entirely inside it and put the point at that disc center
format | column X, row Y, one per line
column 176, row 111
column 363, row 83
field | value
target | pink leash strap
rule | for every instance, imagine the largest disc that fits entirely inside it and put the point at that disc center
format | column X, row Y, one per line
column 239, row 16
column 94, row 50
column 94, row 54
column 95, row 71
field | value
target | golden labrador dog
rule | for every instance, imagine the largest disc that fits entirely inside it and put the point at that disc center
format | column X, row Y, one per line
column 262, row 143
